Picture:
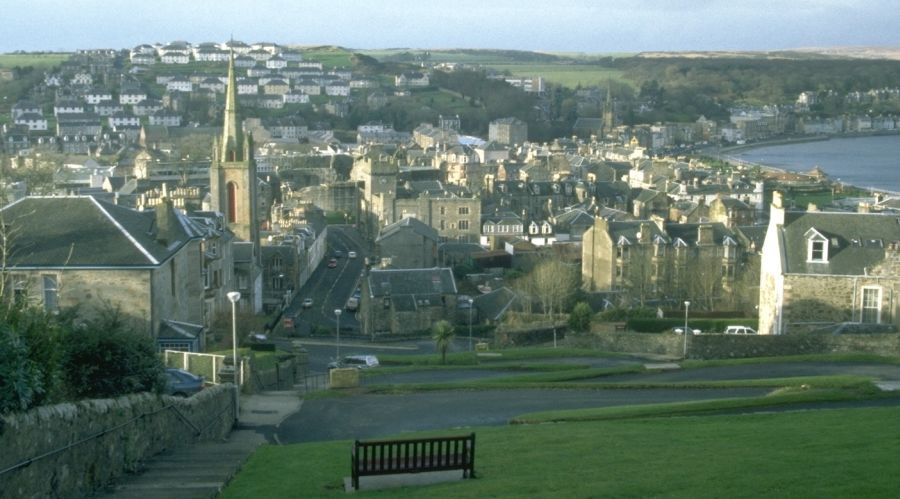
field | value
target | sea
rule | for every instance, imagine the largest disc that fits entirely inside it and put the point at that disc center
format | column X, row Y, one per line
column 871, row 162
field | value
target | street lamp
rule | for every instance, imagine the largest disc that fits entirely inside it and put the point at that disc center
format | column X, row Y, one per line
column 687, row 305
column 471, row 305
column 337, row 315
column 233, row 297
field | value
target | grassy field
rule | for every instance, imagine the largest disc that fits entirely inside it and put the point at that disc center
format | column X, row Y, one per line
column 833, row 453
column 42, row 61
column 568, row 75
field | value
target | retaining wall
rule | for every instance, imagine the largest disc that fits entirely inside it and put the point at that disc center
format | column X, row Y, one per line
column 77, row 448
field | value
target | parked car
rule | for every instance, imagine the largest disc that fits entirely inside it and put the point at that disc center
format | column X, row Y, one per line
column 679, row 330
column 857, row 328
column 181, row 383
column 352, row 304
column 307, row 302
column 332, row 263
column 357, row 361
column 739, row 330
column 338, row 253
column 351, row 254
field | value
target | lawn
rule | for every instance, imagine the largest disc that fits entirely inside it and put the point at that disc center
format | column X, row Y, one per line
column 832, row 453
column 568, row 75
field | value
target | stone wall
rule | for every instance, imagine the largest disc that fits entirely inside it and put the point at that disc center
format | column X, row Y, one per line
column 80, row 447
column 722, row 346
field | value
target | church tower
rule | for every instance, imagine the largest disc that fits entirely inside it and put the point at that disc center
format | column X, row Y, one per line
column 232, row 173
column 609, row 114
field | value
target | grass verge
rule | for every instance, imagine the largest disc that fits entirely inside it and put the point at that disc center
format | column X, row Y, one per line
column 814, row 454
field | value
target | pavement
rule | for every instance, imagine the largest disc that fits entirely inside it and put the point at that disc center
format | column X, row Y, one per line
column 202, row 470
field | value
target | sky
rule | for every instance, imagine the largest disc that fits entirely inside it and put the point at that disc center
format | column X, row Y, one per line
column 589, row 26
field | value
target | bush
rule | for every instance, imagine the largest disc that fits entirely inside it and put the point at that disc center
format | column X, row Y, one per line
column 20, row 377
column 624, row 314
column 104, row 358
column 580, row 318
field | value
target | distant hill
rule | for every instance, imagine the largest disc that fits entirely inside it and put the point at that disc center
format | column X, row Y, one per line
column 887, row 53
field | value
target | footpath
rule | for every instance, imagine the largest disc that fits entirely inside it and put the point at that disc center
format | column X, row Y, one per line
column 202, row 470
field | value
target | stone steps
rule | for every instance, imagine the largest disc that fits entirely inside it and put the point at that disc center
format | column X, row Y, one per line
column 196, row 471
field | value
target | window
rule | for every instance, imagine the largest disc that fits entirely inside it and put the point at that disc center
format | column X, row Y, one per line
column 276, row 263
column 206, row 279
column 463, row 225
column 817, row 251
column 463, row 210
column 871, row 305
column 443, row 210
column 278, row 282
column 19, row 286
column 232, row 202
column 51, row 293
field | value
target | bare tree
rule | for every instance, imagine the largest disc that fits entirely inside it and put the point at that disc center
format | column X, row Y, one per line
column 553, row 284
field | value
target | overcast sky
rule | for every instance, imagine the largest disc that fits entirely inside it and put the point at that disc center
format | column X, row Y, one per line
column 596, row 26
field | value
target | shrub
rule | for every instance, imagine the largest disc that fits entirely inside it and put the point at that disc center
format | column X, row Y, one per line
column 20, row 377
column 580, row 318
column 105, row 358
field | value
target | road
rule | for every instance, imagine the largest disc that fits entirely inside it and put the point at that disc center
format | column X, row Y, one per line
column 330, row 288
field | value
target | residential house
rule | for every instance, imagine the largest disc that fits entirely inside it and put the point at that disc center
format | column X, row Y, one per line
column 406, row 301
column 146, row 107
column 820, row 268
column 25, row 107
column 34, row 121
column 508, row 131
column 97, row 95
column 165, row 117
column 123, row 119
column 648, row 260
column 407, row 244
column 412, row 79
column 146, row 265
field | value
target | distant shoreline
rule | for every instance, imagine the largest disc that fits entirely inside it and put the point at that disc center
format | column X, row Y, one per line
column 807, row 138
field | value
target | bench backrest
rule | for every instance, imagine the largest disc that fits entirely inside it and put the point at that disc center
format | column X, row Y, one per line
column 378, row 457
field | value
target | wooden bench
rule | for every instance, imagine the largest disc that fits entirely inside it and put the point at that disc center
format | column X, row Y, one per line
column 390, row 457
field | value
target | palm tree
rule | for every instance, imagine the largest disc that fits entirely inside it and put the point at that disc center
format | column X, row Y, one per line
column 442, row 333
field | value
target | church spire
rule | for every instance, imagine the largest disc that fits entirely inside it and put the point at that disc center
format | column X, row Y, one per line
column 232, row 141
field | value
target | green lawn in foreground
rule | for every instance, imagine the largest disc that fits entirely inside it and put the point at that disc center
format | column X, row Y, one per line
column 832, row 453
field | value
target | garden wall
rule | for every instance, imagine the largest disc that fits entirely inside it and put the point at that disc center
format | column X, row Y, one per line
column 721, row 346
column 79, row 447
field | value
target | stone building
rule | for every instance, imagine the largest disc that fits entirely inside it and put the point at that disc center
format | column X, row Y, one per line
column 76, row 251
column 233, row 186
column 649, row 260
column 403, row 301
column 819, row 268
column 508, row 131
column 408, row 244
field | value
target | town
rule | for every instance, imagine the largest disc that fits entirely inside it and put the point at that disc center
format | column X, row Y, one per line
column 225, row 195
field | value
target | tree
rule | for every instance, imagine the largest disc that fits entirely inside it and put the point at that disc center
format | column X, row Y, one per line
column 580, row 318
column 553, row 283
column 442, row 333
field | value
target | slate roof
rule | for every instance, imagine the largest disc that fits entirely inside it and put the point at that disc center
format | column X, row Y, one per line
column 409, row 224
column 420, row 282
column 856, row 241
column 493, row 305
column 80, row 231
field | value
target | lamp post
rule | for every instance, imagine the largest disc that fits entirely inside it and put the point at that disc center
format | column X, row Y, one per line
column 337, row 315
column 687, row 305
column 233, row 297
column 471, row 305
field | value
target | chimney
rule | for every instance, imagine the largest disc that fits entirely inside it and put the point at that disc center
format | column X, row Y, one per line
column 644, row 234
column 776, row 217
column 704, row 234
column 166, row 222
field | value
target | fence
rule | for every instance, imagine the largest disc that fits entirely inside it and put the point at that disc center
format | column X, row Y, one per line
column 207, row 365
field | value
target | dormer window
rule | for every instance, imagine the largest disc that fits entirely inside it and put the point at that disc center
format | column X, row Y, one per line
column 816, row 246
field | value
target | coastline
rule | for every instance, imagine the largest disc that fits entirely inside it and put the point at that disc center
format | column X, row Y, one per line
column 799, row 139
column 729, row 155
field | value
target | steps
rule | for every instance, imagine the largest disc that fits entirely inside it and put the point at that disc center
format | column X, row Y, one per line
column 195, row 471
